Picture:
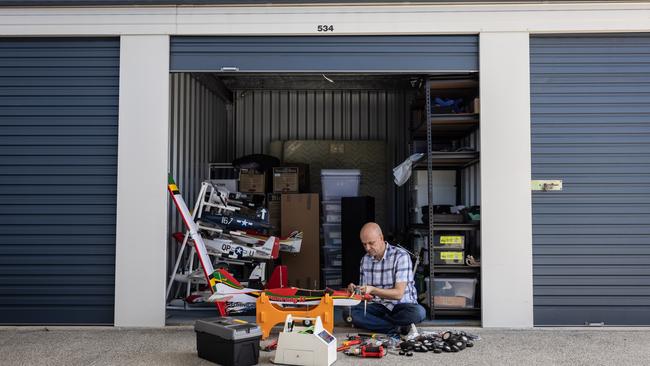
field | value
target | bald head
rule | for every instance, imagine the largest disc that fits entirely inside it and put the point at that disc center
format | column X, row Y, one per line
column 371, row 228
column 373, row 240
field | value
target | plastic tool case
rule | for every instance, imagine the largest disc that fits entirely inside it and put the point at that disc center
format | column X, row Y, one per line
column 228, row 341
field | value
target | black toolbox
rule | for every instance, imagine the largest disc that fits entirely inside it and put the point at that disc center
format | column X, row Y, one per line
column 228, row 341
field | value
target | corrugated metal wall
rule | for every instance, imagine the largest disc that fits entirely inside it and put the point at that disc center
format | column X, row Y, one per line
column 262, row 116
column 411, row 53
column 58, row 171
column 198, row 136
column 590, row 117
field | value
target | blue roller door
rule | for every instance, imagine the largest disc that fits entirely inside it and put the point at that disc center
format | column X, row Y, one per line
column 456, row 53
column 591, row 127
column 58, row 168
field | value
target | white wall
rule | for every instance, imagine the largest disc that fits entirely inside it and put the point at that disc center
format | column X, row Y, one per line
column 351, row 19
column 506, row 222
column 142, row 181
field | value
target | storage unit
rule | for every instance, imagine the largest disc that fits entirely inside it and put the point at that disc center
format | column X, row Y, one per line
column 590, row 126
column 59, row 133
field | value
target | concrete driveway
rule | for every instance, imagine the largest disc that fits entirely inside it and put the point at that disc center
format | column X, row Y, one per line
column 176, row 346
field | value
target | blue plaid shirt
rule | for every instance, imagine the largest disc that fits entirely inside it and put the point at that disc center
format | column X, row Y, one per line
column 394, row 267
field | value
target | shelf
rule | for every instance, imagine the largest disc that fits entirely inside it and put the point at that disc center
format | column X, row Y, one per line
column 449, row 159
column 456, row 311
column 446, row 227
column 453, row 84
column 440, row 268
column 449, row 125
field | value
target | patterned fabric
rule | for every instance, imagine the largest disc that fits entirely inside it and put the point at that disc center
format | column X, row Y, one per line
column 394, row 267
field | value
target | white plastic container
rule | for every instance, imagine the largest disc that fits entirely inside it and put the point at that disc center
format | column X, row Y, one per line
column 450, row 291
column 332, row 234
column 338, row 183
column 332, row 278
column 332, row 256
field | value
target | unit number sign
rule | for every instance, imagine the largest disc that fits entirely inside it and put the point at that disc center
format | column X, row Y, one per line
column 325, row 28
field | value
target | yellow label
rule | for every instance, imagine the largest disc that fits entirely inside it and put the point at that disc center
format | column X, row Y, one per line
column 451, row 256
column 450, row 240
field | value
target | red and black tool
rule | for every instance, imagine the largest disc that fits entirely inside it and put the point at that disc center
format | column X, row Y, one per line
column 373, row 351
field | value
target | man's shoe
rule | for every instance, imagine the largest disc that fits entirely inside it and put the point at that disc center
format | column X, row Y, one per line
column 404, row 329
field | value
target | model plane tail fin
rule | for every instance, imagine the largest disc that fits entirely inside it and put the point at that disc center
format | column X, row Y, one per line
column 221, row 276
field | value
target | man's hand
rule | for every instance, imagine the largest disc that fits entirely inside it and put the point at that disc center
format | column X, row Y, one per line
column 351, row 288
column 368, row 290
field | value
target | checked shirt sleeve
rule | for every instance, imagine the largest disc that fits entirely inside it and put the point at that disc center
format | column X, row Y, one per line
column 403, row 268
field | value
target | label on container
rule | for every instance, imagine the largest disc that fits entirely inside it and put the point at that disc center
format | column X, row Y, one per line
column 451, row 256
column 451, row 240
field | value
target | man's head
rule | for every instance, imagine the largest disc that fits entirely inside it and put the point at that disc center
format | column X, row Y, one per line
column 373, row 240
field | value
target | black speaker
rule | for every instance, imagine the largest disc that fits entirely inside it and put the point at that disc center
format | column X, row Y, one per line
column 355, row 212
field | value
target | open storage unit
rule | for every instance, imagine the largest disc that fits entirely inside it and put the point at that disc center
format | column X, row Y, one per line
column 220, row 113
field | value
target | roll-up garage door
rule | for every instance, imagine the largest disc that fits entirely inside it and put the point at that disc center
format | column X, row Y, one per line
column 591, row 129
column 58, row 127
column 326, row 54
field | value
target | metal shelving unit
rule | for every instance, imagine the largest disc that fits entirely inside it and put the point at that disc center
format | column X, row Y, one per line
column 447, row 126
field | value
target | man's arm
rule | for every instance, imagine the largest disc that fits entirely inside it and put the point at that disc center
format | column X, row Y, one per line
column 394, row 293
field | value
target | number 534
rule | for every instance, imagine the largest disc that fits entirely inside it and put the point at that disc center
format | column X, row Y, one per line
column 325, row 28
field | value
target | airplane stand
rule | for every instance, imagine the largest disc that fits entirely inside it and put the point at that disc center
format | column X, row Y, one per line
column 268, row 314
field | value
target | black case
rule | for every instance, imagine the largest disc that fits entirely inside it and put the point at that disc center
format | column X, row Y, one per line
column 228, row 343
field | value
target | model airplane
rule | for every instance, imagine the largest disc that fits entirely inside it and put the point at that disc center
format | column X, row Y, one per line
column 291, row 243
column 234, row 222
column 227, row 288
column 228, row 249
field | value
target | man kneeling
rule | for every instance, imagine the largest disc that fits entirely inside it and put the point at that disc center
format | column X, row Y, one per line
column 386, row 273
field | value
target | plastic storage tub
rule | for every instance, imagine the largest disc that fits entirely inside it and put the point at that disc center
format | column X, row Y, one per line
column 449, row 241
column 453, row 292
column 332, row 278
column 339, row 183
column 332, row 256
column 332, row 234
column 449, row 256
column 332, row 211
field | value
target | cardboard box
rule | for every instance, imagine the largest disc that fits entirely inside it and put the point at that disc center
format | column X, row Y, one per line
column 285, row 180
column 301, row 211
column 228, row 184
column 450, row 301
column 273, row 205
column 291, row 178
column 251, row 181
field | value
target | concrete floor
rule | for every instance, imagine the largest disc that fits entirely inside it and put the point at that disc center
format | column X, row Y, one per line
column 176, row 346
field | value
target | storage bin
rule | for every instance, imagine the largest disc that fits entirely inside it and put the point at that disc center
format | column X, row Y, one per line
column 449, row 241
column 339, row 183
column 442, row 256
column 332, row 218
column 332, row 234
column 332, row 256
column 331, row 211
column 454, row 292
column 332, row 278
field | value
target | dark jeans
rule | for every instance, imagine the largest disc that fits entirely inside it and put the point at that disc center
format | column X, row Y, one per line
column 381, row 320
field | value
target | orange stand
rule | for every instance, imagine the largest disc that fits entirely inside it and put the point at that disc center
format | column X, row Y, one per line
column 269, row 314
